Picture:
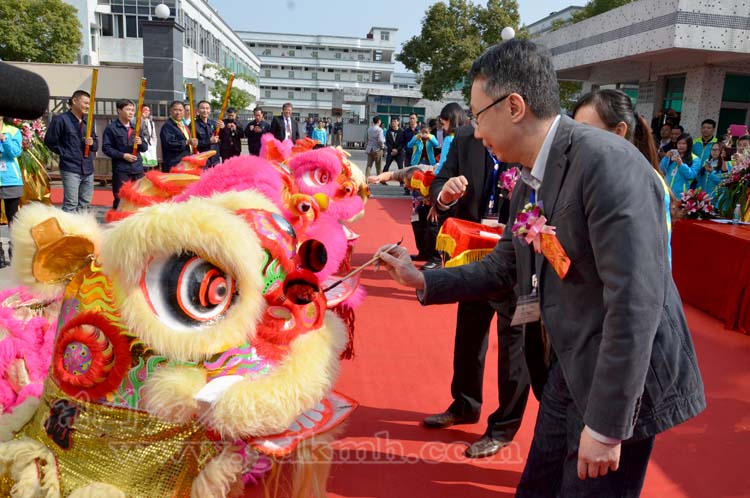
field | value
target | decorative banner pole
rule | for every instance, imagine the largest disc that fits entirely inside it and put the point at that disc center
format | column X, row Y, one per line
column 191, row 102
column 225, row 103
column 92, row 105
column 138, row 111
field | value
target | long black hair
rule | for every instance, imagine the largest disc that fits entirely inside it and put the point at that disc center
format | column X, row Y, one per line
column 687, row 157
column 614, row 107
column 455, row 115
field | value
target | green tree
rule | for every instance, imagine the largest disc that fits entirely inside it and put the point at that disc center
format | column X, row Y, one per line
column 569, row 93
column 453, row 35
column 39, row 31
column 238, row 98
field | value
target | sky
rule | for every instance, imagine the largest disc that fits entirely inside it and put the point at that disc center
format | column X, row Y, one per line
column 349, row 17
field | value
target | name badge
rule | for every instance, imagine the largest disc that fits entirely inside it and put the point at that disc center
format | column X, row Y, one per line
column 3, row 166
column 527, row 310
column 414, row 217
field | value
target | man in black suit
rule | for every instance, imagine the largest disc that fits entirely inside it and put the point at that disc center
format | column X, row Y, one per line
column 469, row 159
column 285, row 127
column 394, row 145
column 230, row 137
column 255, row 129
column 622, row 366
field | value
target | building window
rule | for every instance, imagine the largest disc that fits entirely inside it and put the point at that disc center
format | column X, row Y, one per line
column 267, row 94
column 337, row 77
column 314, row 75
column 268, row 73
column 290, row 53
column 314, row 96
column 360, row 77
column 337, row 55
column 290, row 95
column 314, row 55
column 384, row 35
column 105, row 21
column 360, row 57
column 378, row 55
column 376, row 76
column 673, row 95
column 131, row 26
column 267, row 51
column 291, row 74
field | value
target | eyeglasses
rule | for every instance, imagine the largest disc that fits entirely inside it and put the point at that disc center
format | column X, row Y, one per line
column 475, row 118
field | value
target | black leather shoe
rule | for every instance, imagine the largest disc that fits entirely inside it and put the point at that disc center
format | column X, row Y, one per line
column 447, row 419
column 485, row 447
column 430, row 265
column 418, row 257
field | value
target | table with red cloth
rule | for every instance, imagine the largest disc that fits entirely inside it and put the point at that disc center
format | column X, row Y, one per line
column 711, row 267
column 466, row 241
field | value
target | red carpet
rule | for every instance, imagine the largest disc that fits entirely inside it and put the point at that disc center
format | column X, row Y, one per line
column 102, row 196
column 402, row 372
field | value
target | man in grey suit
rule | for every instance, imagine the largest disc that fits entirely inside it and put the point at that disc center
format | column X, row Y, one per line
column 621, row 366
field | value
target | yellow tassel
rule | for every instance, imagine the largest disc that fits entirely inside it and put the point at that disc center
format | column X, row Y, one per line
column 466, row 257
column 445, row 243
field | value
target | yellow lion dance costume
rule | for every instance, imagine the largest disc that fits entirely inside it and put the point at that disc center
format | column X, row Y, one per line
column 194, row 353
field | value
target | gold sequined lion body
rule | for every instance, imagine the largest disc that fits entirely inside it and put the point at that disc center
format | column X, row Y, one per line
column 194, row 353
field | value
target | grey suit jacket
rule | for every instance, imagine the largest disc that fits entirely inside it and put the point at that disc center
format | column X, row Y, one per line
column 616, row 321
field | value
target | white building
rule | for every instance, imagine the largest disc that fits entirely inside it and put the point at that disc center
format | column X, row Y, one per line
column 404, row 81
column 547, row 23
column 112, row 36
column 689, row 55
column 308, row 70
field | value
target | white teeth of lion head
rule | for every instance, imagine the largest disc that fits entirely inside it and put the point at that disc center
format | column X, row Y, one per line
column 214, row 390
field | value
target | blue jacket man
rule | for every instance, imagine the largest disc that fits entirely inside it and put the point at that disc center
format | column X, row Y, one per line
column 118, row 140
column 66, row 137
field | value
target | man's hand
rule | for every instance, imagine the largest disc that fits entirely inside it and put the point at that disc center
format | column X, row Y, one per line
column 89, row 141
column 130, row 158
column 596, row 459
column 432, row 216
column 137, row 141
column 453, row 189
column 220, row 124
column 399, row 266
column 214, row 139
column 193, row 142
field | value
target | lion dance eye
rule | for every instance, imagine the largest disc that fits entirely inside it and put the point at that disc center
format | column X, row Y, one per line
column 316, row 178
column 185, row 290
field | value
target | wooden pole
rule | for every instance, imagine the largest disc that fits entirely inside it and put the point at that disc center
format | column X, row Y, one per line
column 92, row 105
column 225, row 103
column 191, row 102
column 138, row 113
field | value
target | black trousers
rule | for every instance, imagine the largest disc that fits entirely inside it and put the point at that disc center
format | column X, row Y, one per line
column 120, row 178
column 11, row 208
column 552, row 466
column 473, row 321
column 399, row 158
column 423, row 234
